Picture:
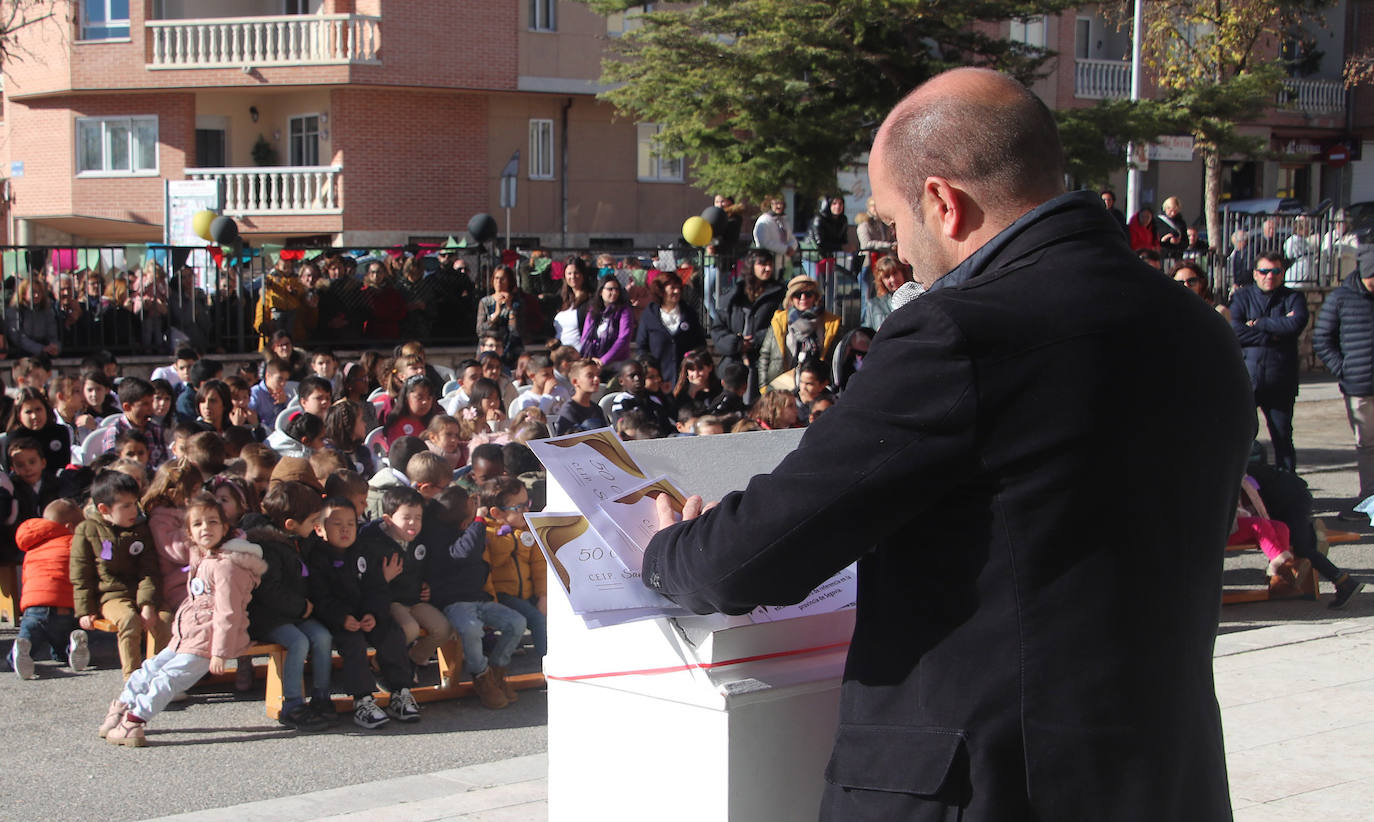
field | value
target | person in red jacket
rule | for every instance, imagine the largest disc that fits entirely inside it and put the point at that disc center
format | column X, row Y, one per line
column 49, row 621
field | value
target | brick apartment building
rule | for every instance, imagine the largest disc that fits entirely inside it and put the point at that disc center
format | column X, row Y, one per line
column 383, row 121
column 369, row 122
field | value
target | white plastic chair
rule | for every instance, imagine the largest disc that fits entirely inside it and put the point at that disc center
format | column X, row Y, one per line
column 444, row 371
column 92, row 445
column 376, row 395
column 106, row 422
column 376, row 443
column 606, row 403
column 450, row 387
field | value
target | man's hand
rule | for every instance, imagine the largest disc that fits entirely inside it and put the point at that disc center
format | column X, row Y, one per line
column 368, row 622
column 667, row 516
column 392, row 567
column 351, row 624
column 216, row 665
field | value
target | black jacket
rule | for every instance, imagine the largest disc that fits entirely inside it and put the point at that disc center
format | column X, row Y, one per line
column 346, row 583
column 374, row 543
column 282, row 593
column 829, row 232
column 1344, row 336
column 668, row 345
column 1013, row 442
column 457, row 570
column 1271, row 344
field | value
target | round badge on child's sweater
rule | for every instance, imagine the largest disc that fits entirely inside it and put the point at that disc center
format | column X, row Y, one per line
column 362, row 565
column 55, row 445
column 135, row 548
column 197, row 587
column 527, row 538
column 408, row 429
column 420, row 551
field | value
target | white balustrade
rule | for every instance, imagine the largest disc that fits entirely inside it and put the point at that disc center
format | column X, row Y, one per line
column 1313, row 96
column 1101, row 79
column 276, row 189
column 247, row 42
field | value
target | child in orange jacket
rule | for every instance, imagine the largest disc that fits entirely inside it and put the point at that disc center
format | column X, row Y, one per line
column 518, row 569
column 49, row 622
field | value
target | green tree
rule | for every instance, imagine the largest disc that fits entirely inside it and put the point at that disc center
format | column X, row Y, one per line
column 758, row 94
column 1095, row 138
column 1217, row 65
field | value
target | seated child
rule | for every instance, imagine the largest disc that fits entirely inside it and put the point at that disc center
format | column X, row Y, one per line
column 636, row 397
column 325, row 365
column 34, row 484
column 493, row 368
column 136, row 400
column 460, row 587
column 49, row 622
column 235, row 438
column 132, row 445
column 444, row 437
column 351, row 486
column 114, row 568
column 414, row 409
column 205, row 450
column 268, row 398
column 33, row 417
column 163, row 399
column 517, row 565
column 349, row 585
column 259, row 461
column 200, row 372
column 211, row 624
column 488, row 462
column 281, row 608
column 579, row 413
column 164, row 503
column 484, row 420
column 392, row 542
column 545, row 393
column 813, row 386
column 181, row 434
column 734, row 380
column 1253, row 524
column 302, row 436
column 69, row 406
column 315, row 394
column 31, row 372
column 398, row 457
column 98, row 392
column 241, row 407
column 325, row 462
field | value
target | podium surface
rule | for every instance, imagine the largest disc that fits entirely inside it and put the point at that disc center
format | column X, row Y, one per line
column 693, row 718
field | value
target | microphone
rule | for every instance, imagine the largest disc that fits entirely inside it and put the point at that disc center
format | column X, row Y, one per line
column 906, row 293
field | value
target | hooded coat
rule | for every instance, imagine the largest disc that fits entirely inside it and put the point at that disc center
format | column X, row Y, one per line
column 212, row 620
column 47, row 548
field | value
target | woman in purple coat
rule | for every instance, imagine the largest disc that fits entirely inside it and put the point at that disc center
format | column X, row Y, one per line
column 609, row 327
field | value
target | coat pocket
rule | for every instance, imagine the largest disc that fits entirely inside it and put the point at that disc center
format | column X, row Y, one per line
column 924, row 761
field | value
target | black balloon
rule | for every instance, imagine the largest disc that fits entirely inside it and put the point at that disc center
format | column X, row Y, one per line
column 718, row 219
column 482, row 227
column 224, row 230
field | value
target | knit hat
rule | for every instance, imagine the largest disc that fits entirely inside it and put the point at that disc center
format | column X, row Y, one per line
column 799, row 283
column 295, row 469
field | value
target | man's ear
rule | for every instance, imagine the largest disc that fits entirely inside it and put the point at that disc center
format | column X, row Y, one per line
column 942, row 203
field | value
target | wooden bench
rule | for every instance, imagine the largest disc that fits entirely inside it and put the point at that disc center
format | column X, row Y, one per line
column 9, row 593
column 450, row 668
column 1308, row 585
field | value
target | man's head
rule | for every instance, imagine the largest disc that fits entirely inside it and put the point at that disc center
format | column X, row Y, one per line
column 958, row 160
column 1269, row 272
column 1108, row 198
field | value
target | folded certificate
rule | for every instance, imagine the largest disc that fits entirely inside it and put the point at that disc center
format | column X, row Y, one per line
column 588, row 569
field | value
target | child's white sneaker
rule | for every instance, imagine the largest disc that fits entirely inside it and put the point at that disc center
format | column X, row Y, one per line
column 403, row 707
column 21, row 658
column 79, row 651
column 366, row 714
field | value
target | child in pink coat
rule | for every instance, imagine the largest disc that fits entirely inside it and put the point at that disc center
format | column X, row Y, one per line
column 210, row 626
column 165, row 504
column 1253, row 524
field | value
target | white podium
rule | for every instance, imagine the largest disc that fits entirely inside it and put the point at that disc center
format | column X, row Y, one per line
column 696, row 718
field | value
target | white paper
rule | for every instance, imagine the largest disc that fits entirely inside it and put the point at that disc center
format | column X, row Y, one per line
column 835, row 594
column 629, row 521
column 587, row 568
column 590, row 466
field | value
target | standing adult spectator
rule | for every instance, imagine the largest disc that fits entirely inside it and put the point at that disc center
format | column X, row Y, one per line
column 1002, row 665
column 1190, row 275
column 1344, row 339
column 830, row 230
column 149, row 292
column 1143, row 230
column 422, row 302
column 1173, row 231
column 1268, row 316
column 876, row 240
column 1109, row 202
column 888, row 276
column 509, row 313
column 233, row 312
column 610, row 325
column 189, row 310
column 743, row 317
column 453, row 294
column 341, row 304
column 73, row 323
column 1240, row 263
column 384, row 305
column 773, row 232
column 1300, row 252
column 31, row 324
column 576, row 299
column 119, row 326
column 668, row 329
column 279, row 301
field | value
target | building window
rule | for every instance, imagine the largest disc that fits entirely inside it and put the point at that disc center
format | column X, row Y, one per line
column 620, row 22
column 542, row 17
column 116, row 145
column 1030, row 31
column 541, row 149
column 104, row 19
column 304, row 144
column 652, row 166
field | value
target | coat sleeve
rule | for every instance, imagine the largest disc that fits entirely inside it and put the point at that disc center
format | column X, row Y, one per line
column 876, row 452
column 230, row 589
column 727, row 341
column 1326, row 334
column 1293, row 321
column 329, row 609
column 771, row 359
column 620, row 347
column 85, row 577
column 1241, row 310
column 14, row 329
column 275, row 595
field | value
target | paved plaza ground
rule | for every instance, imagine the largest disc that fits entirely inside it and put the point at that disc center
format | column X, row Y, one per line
column 1294, row 679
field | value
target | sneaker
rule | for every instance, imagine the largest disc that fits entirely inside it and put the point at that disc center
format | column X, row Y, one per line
column 323, row 707
column 366, row 714
column 127, row 732
column 489, row 690
column 1351, row 515
column 301, row 718
column 1344, row 591
column 112, row 717
column 21, row 658
column 78, row 651
column 507, row 689
column 402, row 707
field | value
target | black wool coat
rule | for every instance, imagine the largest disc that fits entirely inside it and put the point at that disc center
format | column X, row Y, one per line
column 1003, row 467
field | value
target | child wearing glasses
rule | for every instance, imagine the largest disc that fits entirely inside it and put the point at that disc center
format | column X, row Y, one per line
column 518, row 569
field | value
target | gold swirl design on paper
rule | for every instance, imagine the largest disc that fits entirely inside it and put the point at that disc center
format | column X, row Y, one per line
column 605, row 444
column 655, row 490
column 555, row 532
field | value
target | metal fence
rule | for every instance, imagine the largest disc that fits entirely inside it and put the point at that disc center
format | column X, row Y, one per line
column 1318, row 250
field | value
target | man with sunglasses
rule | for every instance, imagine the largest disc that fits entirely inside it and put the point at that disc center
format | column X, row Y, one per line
column 1268, row 316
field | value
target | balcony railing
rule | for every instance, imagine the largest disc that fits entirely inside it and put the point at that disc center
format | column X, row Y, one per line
column 1313, row 96
column 276, row 189
column 1101, row 79
column 247, row 42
